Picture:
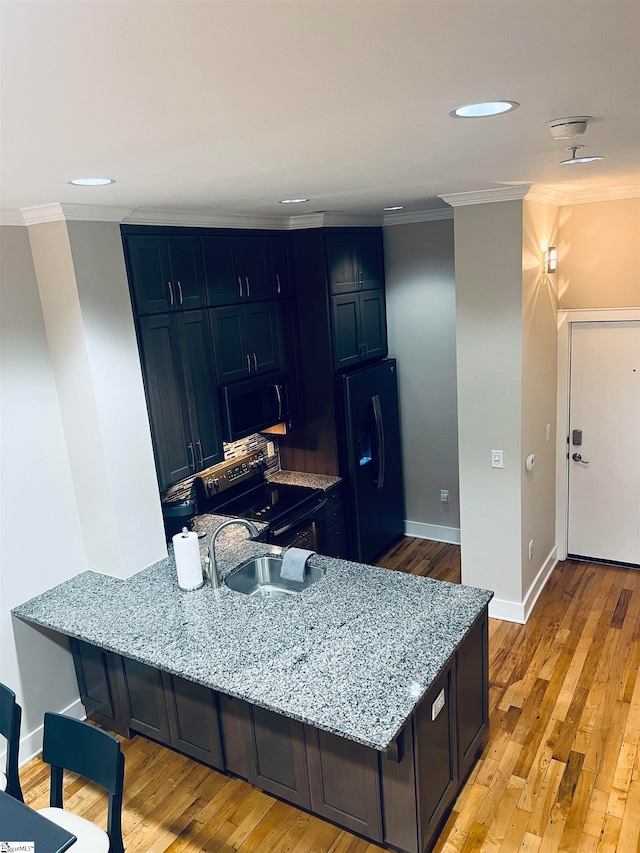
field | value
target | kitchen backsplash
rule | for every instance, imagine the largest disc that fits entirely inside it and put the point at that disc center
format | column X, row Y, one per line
column 185, row 489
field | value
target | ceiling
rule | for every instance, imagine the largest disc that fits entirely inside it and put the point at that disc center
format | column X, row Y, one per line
column 228, row 106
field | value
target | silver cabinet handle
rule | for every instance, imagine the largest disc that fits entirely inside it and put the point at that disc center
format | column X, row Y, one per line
column 180, row 291
column 248, row 362
column 366, row 348
column 246, row 278
column 171, row 299
column 255, row 362
column 240, row 286
column 361, row 277
column 278, row 390
column 201, row 454
column 278, row 287
column 193, row 457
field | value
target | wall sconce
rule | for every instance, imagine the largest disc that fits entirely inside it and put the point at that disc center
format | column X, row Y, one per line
column 551, row 260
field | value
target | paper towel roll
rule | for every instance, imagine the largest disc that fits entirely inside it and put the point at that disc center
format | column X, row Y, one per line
column 187, row 553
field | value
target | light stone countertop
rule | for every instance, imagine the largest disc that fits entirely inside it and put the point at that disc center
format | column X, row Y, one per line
column 353, row 654
column 299, row 478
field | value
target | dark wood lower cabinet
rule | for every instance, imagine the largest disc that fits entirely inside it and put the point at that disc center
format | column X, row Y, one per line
column 400, row 798
column 345, row 782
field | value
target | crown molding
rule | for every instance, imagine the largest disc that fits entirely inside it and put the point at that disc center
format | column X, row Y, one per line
column 11, row 217
column 487, row 196
column 547, row 194
column 60, row 212
column 328, row 218
column 613, row 194
column 418, row 216
column 150, row 216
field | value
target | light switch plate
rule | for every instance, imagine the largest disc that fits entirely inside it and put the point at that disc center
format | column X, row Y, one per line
column 497, row 459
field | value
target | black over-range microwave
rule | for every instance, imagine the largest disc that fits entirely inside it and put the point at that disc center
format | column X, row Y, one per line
column 254, row 404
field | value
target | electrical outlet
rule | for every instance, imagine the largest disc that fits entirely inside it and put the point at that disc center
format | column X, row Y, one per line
column 444, row 496
column 497, row 459
column 438, row 704
column 548, row 433
column 531, row 549
column 271, row 449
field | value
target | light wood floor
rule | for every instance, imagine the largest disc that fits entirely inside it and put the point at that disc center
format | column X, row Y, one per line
column 561, row 771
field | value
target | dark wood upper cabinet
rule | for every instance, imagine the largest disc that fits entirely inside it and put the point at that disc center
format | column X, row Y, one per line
column 342, row 263
column 235, row 269
column 181, row 394
column 246, row 339
column 354, row 260
column 359, row 327
column 281, row 266
column 165, row 273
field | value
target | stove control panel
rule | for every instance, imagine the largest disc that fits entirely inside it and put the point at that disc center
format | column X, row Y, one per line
column 216, row 479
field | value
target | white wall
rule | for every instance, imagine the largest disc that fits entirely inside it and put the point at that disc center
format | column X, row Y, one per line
column 40, row 539
column 488, row 246
column 539, row 391
column 420, row 284
column 89, row 323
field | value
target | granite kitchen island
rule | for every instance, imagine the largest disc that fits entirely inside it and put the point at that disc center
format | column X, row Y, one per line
column 362, row 699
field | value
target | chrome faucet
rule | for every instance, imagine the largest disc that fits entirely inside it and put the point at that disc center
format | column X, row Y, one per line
column 213, row 566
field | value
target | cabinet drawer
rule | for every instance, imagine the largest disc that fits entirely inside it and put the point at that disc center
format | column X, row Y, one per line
column 335, row 514
column 334, row 496
column 335, row 534
column 338, row 549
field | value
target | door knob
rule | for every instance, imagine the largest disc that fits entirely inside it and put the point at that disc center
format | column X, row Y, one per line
column 577, row 457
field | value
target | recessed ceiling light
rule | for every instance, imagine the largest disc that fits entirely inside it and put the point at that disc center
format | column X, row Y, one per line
column 293, row 200
column 91, row 182
column 398, row 207
column 488, row 108
column 573, row 161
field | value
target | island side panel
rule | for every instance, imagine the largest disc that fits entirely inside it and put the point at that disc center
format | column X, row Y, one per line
column 472, row 694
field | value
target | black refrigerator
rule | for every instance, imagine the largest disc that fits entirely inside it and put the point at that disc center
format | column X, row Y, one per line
column 371, row 458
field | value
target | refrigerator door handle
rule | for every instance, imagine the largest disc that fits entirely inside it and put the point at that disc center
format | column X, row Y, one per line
column 377, row 414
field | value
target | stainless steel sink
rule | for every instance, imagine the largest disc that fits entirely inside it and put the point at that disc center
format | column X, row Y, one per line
column 261, row 576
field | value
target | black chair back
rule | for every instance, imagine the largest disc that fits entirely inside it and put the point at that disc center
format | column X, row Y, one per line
column 71, row 744
column 10, row 717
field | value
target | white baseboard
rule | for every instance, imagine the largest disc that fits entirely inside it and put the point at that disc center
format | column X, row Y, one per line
column 432, row 531
column 514, row 611
column 31, row 742
column 539, row 582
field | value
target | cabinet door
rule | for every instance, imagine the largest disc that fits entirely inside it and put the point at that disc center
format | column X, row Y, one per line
column 101, row 686
column 187, row 277
column 472, row 679
column 279, row 762
column 145, row 691
column 231, row 359
column 369, row 261
column 342, row 264
column 224, row 287
column 200, row 385
column 261, row 338
column 149, row 273
column 345, row 312
column 164, row 384
column 344, row 782
column 373, row 324
column 281, row 266
column 250, row 265
column 434, row 732
column 193, row 720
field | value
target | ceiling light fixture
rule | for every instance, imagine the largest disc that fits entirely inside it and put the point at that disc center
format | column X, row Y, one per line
column 397, row 207
column 293, row 200
column 573, row 160
column 487, row 108
column 91, row 182
column 568, row 128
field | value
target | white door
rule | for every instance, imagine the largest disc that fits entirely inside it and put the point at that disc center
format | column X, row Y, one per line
column 604, row 470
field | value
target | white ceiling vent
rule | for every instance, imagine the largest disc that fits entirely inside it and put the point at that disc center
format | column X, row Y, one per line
column 568, row 128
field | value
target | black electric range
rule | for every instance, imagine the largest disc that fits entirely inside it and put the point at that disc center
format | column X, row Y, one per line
column 239, row 489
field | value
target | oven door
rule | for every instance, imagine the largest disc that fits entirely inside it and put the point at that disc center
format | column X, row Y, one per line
column 254, row 404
